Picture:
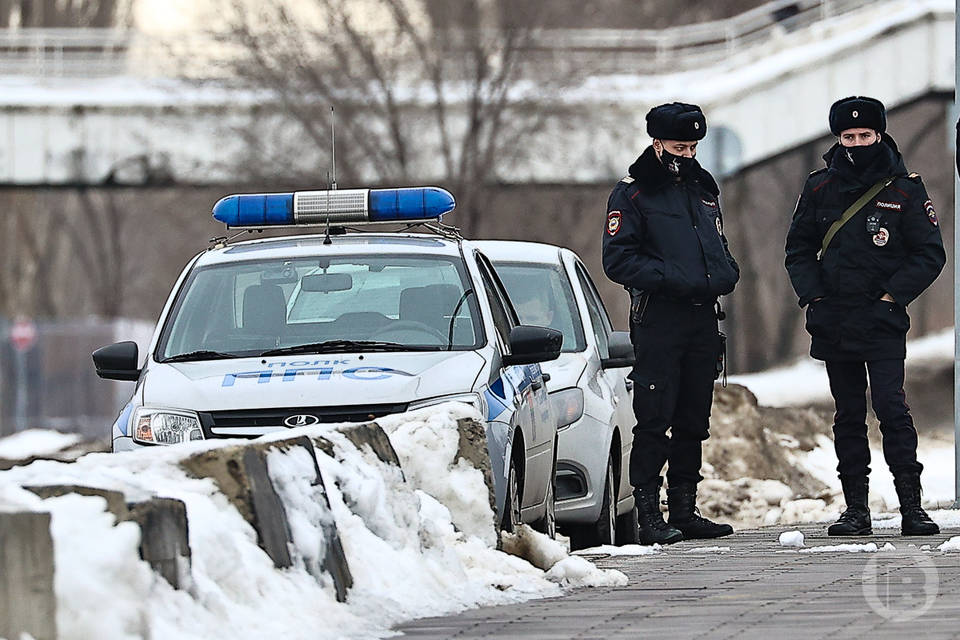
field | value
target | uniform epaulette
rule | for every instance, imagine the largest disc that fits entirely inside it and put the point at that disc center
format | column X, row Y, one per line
column 818, row 171
column 627, row 179
column 914, row 176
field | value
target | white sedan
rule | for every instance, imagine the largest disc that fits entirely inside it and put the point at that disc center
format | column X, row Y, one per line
column 592, row 397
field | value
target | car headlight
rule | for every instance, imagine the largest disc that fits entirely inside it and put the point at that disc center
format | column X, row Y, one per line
column 166, row 426
column 567, row 406
column 475, row 400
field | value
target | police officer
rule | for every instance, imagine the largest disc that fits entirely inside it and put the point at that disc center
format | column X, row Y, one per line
column 884, row 248
column 664, row 242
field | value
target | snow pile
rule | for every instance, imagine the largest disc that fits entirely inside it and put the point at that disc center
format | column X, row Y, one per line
column 791, row 539
column 869, row 547
column 953, row 544
column 625, row 550
column 405, row 547
column 35, row 442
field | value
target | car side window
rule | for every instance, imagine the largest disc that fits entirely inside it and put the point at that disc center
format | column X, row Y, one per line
column 598, row 315
column 501, row 317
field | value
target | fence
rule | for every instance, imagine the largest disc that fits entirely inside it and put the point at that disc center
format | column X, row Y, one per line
column 50, row 382
column 89, row 52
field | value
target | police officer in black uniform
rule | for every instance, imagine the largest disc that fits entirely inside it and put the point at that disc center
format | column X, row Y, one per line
column 856, row 286
column 664, row 242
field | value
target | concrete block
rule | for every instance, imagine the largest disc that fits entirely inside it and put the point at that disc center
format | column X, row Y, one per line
column 116, row 503
column 241, row 473
column 473, row 448
column 165, row 541
column 27, row 600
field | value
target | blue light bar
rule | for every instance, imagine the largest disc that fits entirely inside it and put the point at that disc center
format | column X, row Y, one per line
column 343, row 206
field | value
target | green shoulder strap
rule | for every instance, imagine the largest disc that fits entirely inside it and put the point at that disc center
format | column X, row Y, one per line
column 852, row 211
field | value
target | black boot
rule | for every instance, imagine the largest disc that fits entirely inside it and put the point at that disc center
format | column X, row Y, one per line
column 916, row 522
column 652, row 527
column 684, row 515
column 855, row 521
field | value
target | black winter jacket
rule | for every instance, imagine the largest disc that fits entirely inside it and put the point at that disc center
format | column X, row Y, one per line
column 664, row 235
column 892, row 245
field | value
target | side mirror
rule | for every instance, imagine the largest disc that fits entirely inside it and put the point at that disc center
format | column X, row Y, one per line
column 530, row 344
column 117, row 361
column 621, row 352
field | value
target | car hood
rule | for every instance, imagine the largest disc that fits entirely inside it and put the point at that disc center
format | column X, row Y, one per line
column 565, row 371
column 310, row 380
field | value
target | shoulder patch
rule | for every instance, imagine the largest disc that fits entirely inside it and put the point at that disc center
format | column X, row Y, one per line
column 613, row 223
column 627, row 179
column 931, row 213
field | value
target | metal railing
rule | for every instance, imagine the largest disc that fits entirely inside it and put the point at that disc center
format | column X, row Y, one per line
column 689, row 46
column 82, row 52
column 89, row 52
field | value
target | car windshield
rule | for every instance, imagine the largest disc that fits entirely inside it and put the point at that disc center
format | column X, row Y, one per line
column 542, row 296
column 322, row 305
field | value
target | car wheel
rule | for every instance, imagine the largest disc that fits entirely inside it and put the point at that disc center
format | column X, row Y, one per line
column 548, row 523
column 604, row 530
column 511, row 504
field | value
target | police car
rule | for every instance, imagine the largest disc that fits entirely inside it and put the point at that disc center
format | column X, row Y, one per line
column 589, row 388
column 269, row 334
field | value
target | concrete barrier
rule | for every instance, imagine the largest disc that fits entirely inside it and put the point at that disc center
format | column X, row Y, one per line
column 27, row 598
column 164, row 533
column 241, row 474
column 473, row 448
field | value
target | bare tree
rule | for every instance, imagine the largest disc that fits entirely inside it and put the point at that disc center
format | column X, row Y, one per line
column 419, row 93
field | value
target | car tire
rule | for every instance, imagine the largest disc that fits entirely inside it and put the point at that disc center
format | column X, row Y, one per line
column 604, row 530
column 628, row 527
column 548, row 523
column 511, row 504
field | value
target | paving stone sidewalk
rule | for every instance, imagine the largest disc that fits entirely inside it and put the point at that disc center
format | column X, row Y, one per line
column 756, row 589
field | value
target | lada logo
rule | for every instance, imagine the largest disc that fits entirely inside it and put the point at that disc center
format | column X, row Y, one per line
column 301, row 420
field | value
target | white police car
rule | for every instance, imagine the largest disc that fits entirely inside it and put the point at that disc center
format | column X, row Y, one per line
column 592, row 396
column 275, row 333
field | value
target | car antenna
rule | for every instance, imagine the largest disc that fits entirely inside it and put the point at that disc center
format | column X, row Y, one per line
column 332, row 174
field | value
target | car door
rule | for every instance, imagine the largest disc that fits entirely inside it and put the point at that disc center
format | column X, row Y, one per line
column 531, row 403
column 615, row 380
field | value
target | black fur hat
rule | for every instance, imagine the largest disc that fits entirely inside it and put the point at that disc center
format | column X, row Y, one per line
column 857, row 112
column 676, row 121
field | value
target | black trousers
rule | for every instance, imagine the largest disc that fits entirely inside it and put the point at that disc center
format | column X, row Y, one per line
column 676, row 345
column 848, row 384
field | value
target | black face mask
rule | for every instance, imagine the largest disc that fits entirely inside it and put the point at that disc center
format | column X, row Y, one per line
column 862, row 157
column 680, row 166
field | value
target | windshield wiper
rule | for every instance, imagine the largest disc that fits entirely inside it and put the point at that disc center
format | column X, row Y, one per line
column 202, row 354
column 341, row 346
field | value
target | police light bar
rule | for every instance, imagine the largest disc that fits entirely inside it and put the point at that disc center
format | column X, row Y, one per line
column 340, row 206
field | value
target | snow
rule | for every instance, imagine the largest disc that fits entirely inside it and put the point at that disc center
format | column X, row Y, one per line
column 625, row 550
column 35, row 442
column 707, row 550
column 953, row 544
column 869, row 547
column 791, row 539
column 407, row 552
column 805, row 381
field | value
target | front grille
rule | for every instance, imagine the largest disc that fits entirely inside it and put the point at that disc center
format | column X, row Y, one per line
column 271, row 419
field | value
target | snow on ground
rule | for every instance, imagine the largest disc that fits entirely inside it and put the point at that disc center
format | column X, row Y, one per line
column 35, row 442
column 625, row 550
column 791, row 539
column 805, row 381
column 406, row 552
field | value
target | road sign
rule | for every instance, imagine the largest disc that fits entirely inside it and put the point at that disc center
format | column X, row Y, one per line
column 23, row 334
